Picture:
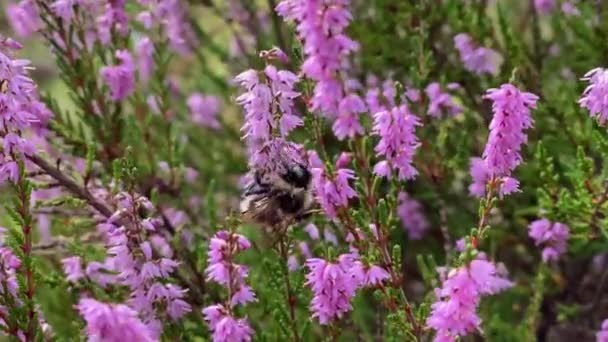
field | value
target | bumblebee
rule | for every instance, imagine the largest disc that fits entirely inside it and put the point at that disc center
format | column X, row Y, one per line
column 278, row 199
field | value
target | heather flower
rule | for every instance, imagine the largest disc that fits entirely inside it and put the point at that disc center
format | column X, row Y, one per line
column 321, row 25
column 20, row 111
column 258, row 99
column 375, row 275
column 113, row 19
column 223, row 247
column 112, row 322
column 120, row 78
column 440, row 102
column 347, row 123
column 72, row 268
column 570, row 9
column 412, row 216
column 594, row 97
column 23, row 17
column 225, row 327
column 204, row 110
column 145, row 58
column 333, row 286
column 481, row 176
column 278, row 155
column 511, row 117
column 131, row 262
column 398, row 142
column 312, row 230
column 552, row 236
column 333, row 191
column 64, row 9
column 477, row 59
column 544, row 7
column 602, row 335
column 454, row 313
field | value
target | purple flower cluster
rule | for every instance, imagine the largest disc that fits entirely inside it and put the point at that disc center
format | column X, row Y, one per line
column 171, row 18
column 440, row 102
column 602, row 335
column 380, row 97
column 225, row 327
column 145, row 59
column 335, row 284
column 268, row 103
column 223, row 247
column 511, row 117
column 20, row 111
column 112, row 322
column 23, row 17
column 544, row 7
column 477, row 59
column 398, row 142
column 9, row 264
column 454, row 313
column 139, row 259
column 332, row 190
column 347, row 123
column 595, row 97
column 120, row 78
column 552, row 236
column 412, row 216
column 481, row 176
column 321, row 25
column 204, row 110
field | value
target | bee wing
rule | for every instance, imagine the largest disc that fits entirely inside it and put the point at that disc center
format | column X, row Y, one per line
column 261, row 209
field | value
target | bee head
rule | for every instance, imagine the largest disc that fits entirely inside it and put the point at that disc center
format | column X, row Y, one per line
column 297, row 175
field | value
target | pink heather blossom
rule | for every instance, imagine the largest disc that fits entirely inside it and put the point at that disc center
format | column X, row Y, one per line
column 481, row 176
column 72, row 268
column 23, row 17
column 333, row 191
column 120, row 78
column 595, row 97
column 139, row 259
column 412, row 216
column 173, row 18
column 602, row 335
column 113, row 19
column 225, row 327
column 321, row 26
column 552, row 236
column 258, row 99
column 112, row 322
column 145, row 58
column 347, row 123
column 477, row 59
column 570, row 9
column 440, row 102
column 375, row 275
column 64, row 9
column 312, row 230
column 20, row 112
column 204, row 110
column 454, row 314
column 277, row 155
column 398, row 142
column 223, row 247
column 544, row 7
column 333, row 286
column 511, row 117
column 380, row 98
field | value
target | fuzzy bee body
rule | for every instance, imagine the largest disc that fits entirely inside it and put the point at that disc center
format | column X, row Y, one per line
column 273, row 199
